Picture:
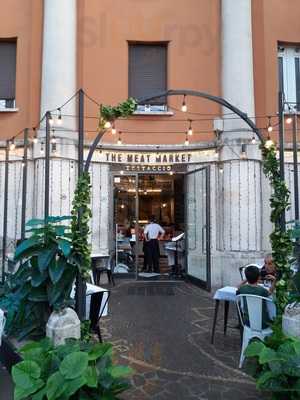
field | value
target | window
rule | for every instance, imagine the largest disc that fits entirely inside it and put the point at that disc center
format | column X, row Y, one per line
column 148, row 74
column 289, row 73
column 7, row 73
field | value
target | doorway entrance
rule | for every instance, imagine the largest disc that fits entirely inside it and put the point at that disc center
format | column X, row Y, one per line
column 179, row 203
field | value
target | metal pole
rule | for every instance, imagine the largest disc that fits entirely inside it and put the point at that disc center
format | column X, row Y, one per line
column 80, row 293
column 47, row 167
column 295, row 159
column 24, row 188
column 4, row 239
column 281, row 148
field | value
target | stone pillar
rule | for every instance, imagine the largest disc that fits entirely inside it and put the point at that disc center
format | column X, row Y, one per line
column 59, row 83
column 239, row 185
column 59, row 58
column 237, row 61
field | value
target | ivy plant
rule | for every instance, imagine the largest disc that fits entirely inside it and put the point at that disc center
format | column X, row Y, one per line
column 75, row 370
column 282, row 245
column 44, row 280
column 81, row 214
column 110, row 113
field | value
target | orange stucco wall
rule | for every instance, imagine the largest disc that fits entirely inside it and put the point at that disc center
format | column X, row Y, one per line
column 193, row 31
column 273, row 21
column 23, row 20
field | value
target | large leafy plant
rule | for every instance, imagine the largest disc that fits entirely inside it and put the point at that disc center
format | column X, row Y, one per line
column 275, row 364
column 44, row 280
column 74, row 370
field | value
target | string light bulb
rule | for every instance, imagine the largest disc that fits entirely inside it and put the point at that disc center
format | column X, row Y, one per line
column 12, row 145
column 289, row 120
column 59, row 118
column 270, row 127
column 186, row 142
column 184, row 106
column 119, row 139
column 107, row 125
column 221, row 169
column 113, row 129
column 253, row 140
column 34, row 139
column 216, row 152
column 50, row 120
column 190, row 131
column 42, row 151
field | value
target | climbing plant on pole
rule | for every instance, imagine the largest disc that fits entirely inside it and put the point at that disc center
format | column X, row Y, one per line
column 282, row 246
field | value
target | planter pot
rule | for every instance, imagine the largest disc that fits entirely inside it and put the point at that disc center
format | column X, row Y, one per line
column 63, row 325
column 291, row 321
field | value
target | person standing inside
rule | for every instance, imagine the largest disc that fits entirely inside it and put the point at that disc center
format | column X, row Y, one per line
column 152, row 233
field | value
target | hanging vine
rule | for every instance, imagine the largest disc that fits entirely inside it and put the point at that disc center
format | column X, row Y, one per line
column 110, row 113
column 282, row 245
column 81, row 214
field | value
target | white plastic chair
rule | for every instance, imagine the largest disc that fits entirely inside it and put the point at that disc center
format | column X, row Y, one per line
column 255, row 329
column 2, row 324
column 242, row 269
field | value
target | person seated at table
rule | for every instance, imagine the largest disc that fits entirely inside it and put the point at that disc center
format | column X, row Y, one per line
column 268, row 271
column 253, row 287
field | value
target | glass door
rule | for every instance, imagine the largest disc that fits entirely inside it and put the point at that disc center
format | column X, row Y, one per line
column 126, row 223
column 198, row 226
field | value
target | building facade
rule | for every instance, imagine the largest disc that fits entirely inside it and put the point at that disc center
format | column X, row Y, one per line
column 245, row 52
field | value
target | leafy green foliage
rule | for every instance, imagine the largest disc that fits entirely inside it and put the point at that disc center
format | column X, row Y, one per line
column 75, row 370
column 282, row 245
column 124, row 109
column 275, row 364
column 81, row 214
column 44, row 279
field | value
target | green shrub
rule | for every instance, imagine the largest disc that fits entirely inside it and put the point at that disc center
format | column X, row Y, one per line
column 44, row 279
column 75, row 370
column 275, row 365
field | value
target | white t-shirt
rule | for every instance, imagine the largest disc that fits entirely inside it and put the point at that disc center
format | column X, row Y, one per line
column 153, row 230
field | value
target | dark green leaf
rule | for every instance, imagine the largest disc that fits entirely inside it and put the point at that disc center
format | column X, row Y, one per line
column 40, row 395
column 56, row 269
column 25, row 245
column 72, row 386
column 91, row 376
column 254, row 348
column 55, row 386
column 65, row 246
column 99, row 350
column 74, row 365
column 120, row 371
column 45, row 257
column 34, row 222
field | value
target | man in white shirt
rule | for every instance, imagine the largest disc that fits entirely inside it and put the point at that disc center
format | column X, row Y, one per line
column 152, row 232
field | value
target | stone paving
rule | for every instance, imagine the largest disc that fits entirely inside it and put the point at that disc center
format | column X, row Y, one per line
column 162, row 330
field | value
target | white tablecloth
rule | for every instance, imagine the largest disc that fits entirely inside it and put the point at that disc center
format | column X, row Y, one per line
column 226, row 293
column 90, row 289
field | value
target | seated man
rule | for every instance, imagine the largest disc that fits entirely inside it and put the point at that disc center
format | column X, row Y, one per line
column 251, row 286
column 268, row 271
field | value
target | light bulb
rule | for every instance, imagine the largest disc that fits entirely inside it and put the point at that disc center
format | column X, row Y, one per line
column 119, row 141
column 12, row 146
column 216, row 153
column 122, row 172
column 289, row 120
column 35, row 140
column 190, row 131
column 59, row 120
column 270, row 128
column 50, row 120
column 113, row 131
column 171, row 173
column 122, row 206
column 221, row 170
column 53, row 140
column 253, row 140
column 184, row 106
column 107, row 125
column 186, row 142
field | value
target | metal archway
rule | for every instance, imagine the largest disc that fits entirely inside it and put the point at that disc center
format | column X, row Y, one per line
column 182, row 92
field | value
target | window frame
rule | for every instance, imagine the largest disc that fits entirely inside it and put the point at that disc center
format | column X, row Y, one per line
column 146, row 109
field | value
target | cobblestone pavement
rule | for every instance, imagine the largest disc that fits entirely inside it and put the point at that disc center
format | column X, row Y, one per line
column 162, row 330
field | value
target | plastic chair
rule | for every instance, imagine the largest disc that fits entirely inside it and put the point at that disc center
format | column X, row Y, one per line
column 255, row 328
column 109, row 269
column 242, row 269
